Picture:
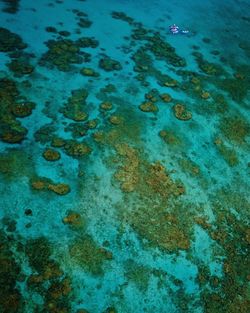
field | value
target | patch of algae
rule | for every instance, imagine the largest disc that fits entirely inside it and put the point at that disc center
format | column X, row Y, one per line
column 45, row 184
column 16, row 163
column 86, row 253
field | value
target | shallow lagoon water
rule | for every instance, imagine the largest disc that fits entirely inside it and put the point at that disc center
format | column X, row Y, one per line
column 124, row 165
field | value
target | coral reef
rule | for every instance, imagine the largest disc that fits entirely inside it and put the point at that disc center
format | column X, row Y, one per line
column 138, row 274
column 159, row 181
column 148, row 106
column 109, row 88
column 22, row 109
column 74, row 220
column 74, row 108
column 128, row 174
column 92, row 124
column 142, row 60
column 154, row 189
column 10, row 297
column 57, row 142
column 60, row 189
column 86, row 71
column 45, row 134
column 63, row 54
column 77, row 130
column 87, row 42
column 161, row 229
column 209, row 68
column 20, row 67
column 228, row 293
column 11, row 130
column 46, row 184
column 10, row 41
column 189, row 166
column 51, row 155
column 16, row 134
column 166, row 97
column 110, row 310
column 115, row 119
column 84, row 22
column 122, row 16
column 164, row 51
column 109, row 64
column 236, row 87
column 106, row 106
column 16, row 163
column 47, row 279
column 170, row 137
column 181, row 112
column 200, row 234
column 235, row 128
column 87, row 254
column 228, row 154
column 76, row 149
column 12, row 6
column 205, row 95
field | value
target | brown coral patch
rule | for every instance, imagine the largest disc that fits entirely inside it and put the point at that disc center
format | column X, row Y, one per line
column 181, row 113
column 148, row 106
column 77, row 149
column 160, row 228
column 128, row 174
column 74, row 220
column 115, row 119
column 166, row 97
column 57, row 142
column 51, row 155
column 160, row 182
column 60, row 189
column 43, row 183
column 13, row 135
column 39, row 185
column 87, row 254
column 22, row 109
column 86, row 71
column 106, row 106
column 205, row 95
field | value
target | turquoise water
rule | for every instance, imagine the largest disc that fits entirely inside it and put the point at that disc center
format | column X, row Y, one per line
column 124, row 156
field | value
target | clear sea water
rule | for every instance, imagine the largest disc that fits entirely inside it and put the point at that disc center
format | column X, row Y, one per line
column 129, row 189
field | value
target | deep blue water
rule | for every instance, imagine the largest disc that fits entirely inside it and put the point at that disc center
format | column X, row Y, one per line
column 124, row 156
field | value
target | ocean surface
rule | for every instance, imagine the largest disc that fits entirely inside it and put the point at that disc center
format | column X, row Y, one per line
column 124, row 156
